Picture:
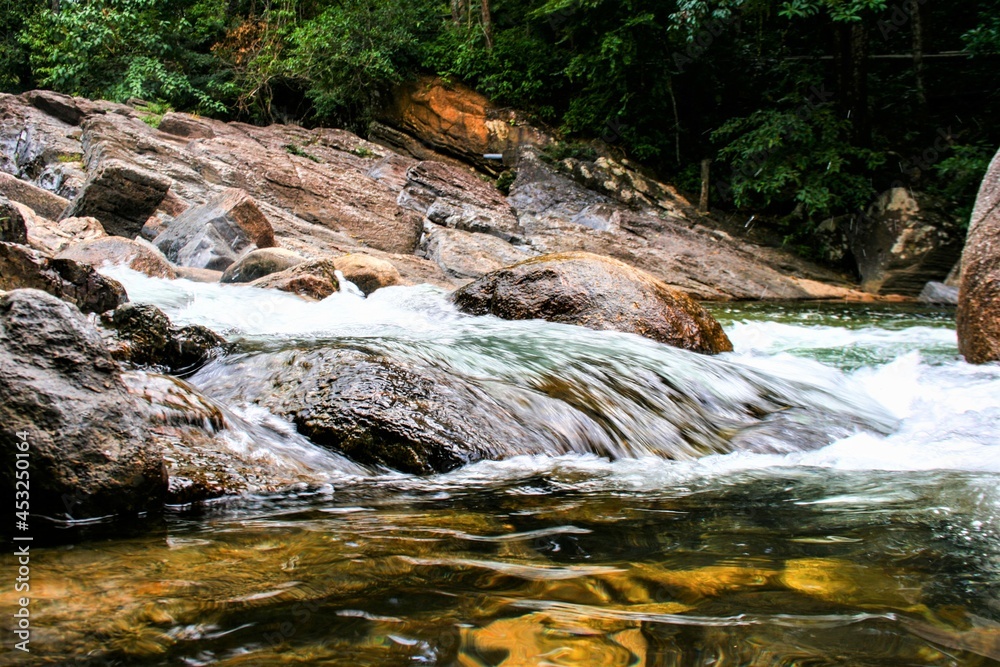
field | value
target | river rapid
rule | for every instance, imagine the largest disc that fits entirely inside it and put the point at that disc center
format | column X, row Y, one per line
column 860, row 526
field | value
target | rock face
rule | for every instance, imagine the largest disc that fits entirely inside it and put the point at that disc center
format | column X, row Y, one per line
column 145, row 337
column 259, row 263
column 13, row 228
column 52, row 236
column 979, row 296
column 598, row 293
column 367, row 272
column 312, row 280
column 467, row 255
column 42, row 202
column 137, row 255
column 90, row 452
column 902, row 244
column 22, row 267
column 120, row 195
column 213, row 236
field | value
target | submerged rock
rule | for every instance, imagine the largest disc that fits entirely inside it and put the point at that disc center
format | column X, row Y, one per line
column 598, row 293
column 214, row 235
column 90, row 452
column 22, row 267
column 137, row 254
column 979, row 296
column 145, row 337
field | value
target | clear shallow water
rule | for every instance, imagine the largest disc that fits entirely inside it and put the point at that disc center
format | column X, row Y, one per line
column 868, row 549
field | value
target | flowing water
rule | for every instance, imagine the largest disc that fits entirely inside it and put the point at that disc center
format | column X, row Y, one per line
column 826, row 495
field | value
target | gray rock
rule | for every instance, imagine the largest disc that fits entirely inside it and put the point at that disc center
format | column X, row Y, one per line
column 24, row 268
column 939, row 294
column 469, row 255
column 13, row 228
column 121, row 195
column 214, row 235
column 145, row 337
column 259, row 263
column 137, row 254
column 903, row 242
column 90, row 453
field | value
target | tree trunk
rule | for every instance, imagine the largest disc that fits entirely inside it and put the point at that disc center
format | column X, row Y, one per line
column 458, row 10
column 851, row 59
column 918, row 59
column 487, row 20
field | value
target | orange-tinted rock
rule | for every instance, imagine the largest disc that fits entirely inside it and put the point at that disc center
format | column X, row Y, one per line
column 598, row 293
column 979, row 295
column 312, row 280
column 367, row 272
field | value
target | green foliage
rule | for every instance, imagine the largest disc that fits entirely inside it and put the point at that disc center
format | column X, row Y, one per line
column 351, row 54
column 295, row 149
column 505, row 180
column 960, row 175
column 850, row 11
column 117, row 49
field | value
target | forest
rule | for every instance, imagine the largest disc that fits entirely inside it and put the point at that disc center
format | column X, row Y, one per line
column 808, row 109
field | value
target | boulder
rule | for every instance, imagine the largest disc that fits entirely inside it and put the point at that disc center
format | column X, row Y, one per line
column 367, row 272
column 22, row 267
column 214, row 235
column 144, row 336
column 13, row 228
column 185, row 125
column 121, row 195
column 44, row 203
column 598, row 293
column 54, row 236
column 70, row 110
column 90, row 452
column 903, row 242
column 311, row 280
column 978, row 313
column 939, row 294
column 198, row 275
column 457, row 198
column 137, row 254
column 259, row 263
column 468, row 255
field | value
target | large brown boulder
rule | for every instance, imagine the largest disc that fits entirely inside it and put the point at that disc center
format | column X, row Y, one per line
column 89, row 451
column 121, row 195
column 366, row 272
column 138, row 255
column 214, row 235
column 979, row 295
column 22, row 267
column 311, row 280
column 598, row 293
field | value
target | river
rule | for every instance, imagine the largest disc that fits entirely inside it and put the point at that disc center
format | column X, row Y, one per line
column 859, row 527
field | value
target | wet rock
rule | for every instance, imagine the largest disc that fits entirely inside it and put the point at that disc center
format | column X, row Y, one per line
column 259, row 263
column 54, row 236
column 457, row 198
column 121, row 195
column 979, row 296
column 379, row 412
column 214, row 235
column 904, row 242
column 137, row 254
column 13, row 228
column 367, row 272
column 467, row 255
column 144, row 336
column 22, row 267
column 939, row 294
column 598, row 293
column 90, row 451
column 42, row 202
column 312, row 280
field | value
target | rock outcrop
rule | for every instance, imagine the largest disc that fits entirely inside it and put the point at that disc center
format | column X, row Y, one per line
column 54, row 236
column 468, row 255
column 90, row 452
column 214, row 235
column 598, row 293
column 137, row 254
column 311, row 280
column 979, row 295
column 259, row 263
column 144, row 336
column 42, row 202
column 121, row 195
column 903, row 242
column 13, row 228
column 22, row 267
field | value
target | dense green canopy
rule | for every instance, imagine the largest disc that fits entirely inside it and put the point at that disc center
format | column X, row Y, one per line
column 808, row 107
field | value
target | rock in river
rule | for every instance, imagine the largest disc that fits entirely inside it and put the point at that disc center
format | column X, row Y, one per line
column 598, row 293
column 979, row 296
